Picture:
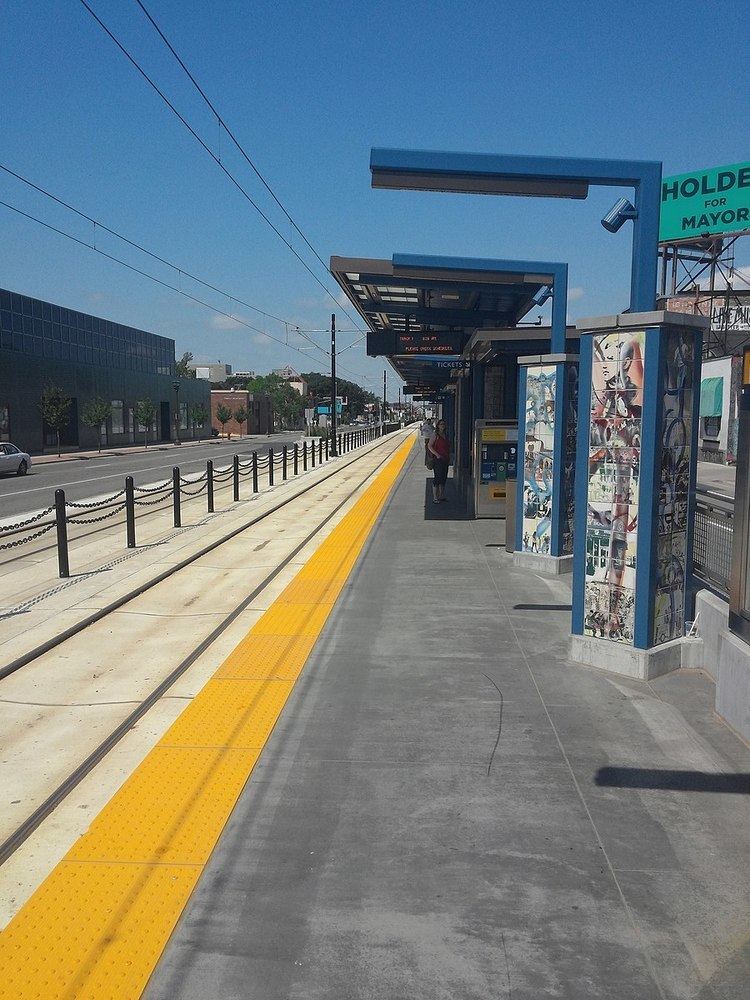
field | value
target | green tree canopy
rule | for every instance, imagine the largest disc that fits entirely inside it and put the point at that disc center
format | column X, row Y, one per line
column 223, row 414
column 319, row 387
column 240, row 415
column 54, row 406
column 181, row 367
column 144, row 412
column 95, row 412
column 288, row 405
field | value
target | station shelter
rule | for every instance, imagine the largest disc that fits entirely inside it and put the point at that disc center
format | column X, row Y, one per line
column 455, row 329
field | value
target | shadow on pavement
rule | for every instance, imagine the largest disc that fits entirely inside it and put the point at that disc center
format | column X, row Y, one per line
column 673, row 781
column 453, row 509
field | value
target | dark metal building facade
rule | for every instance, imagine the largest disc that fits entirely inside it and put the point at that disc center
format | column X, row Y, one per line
column 86, row 356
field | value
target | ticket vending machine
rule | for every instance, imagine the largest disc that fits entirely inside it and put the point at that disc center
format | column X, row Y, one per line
column 495, row 465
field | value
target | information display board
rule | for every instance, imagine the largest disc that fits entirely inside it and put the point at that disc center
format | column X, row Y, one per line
column 419, row 342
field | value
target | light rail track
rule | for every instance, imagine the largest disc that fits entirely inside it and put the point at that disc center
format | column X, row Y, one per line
column 33, row 821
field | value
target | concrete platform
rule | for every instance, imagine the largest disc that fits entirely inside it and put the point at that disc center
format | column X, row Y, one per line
column 449, row 808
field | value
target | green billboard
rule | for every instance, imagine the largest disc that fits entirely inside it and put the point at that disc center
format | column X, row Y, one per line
column 705, row 203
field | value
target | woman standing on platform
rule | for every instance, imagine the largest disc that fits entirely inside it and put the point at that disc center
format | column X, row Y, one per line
column 440, row 449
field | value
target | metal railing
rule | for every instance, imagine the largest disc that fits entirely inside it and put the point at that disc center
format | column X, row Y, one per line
column 273, row 466
column 712, row 539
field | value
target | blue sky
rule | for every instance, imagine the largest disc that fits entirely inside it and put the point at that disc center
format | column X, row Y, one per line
column 309, row 88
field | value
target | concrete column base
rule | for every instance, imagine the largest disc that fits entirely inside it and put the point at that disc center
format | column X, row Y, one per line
column 733, row 683
column 643, row 664
column 546, row 565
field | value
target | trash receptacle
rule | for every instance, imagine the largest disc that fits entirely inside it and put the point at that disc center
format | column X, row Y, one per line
column 510, row 516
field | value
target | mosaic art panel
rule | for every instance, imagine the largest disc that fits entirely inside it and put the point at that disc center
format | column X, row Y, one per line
column 541, row 386
column 612, row 492
column 674, row 487
column 569, row 458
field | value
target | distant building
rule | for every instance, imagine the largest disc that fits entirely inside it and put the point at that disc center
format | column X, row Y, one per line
column 258, row 407
column 213, row 371
column 247, row 374
column 294, row 379
column 87, row 356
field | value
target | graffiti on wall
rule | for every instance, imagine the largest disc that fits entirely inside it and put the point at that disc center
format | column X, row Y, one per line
column 612, row 493
column 539, row 445
column 569, row 458
column 674, row 487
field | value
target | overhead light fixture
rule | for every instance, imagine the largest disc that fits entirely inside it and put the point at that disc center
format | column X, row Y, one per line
column 618, row 215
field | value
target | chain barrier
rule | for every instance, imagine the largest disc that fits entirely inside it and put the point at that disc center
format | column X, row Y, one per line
column 96, row 520
column 23, row 524
column 195, row 493
column 163, row 493
column 151, row 503
column 98, row 503
column 29, row 538
column 167, row 484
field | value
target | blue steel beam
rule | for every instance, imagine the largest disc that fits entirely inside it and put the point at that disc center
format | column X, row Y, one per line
column 538, row 176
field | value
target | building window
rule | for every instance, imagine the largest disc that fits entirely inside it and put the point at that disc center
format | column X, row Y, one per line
column 4, row 423
column 118, row 418
column 183, row 416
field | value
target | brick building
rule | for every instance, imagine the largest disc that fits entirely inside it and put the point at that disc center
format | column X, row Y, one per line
column 257, row 406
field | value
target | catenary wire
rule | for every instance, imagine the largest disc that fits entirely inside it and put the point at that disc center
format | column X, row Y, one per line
column 152, row 277
column 228, row 131
column 166, row 284
column 150, row 253
column 211, row 153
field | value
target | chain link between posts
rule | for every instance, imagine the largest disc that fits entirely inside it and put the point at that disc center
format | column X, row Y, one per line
column 28, row 538
column 96, row 504
column 96, row 520
column 31, row 520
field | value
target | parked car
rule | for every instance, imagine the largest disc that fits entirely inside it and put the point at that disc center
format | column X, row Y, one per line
column 12, row 459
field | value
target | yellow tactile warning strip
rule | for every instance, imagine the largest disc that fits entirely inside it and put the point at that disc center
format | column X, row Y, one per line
column 99, row 923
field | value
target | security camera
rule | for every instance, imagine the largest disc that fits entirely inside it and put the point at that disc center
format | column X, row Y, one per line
column 617, row 216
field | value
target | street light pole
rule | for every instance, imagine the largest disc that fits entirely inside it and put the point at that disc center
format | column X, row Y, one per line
column 334, row 446
column 384, row 400
column 176, row 387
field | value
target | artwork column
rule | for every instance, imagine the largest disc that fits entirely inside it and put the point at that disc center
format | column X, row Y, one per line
column 635, row 490
column 548, row 390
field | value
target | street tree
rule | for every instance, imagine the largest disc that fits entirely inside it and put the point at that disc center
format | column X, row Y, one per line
column 182, row 367
column 319, row 387
column 240, row 415
column 96, row 412
column 145, row 412
column 223, row 415
column 55, row 406
column 199, row 416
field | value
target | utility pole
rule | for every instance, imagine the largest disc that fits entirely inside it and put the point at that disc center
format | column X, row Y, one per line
column 334, row 447
column 384, row 400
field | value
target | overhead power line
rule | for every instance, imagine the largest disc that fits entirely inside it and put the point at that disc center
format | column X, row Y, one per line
column 138, row 246
column 175, row 288
column 213, row 156
column 228, row 131
column 158, row 281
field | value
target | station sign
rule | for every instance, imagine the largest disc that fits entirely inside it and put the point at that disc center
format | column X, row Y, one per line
column 705, row 203
column 421, row 342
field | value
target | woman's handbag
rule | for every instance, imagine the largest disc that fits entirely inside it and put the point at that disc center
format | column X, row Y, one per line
column 429, row 458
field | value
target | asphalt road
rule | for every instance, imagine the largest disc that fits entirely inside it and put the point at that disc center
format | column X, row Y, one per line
column 93, row 477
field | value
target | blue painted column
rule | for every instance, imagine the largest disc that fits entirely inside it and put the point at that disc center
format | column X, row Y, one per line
column 635, row 490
